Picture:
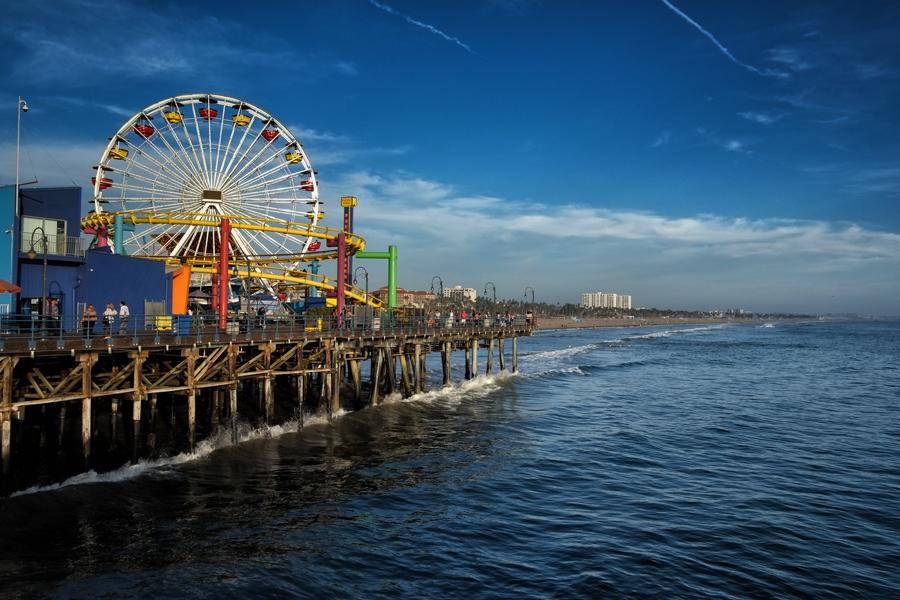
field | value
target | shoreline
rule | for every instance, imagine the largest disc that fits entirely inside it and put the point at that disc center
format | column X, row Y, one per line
column 567, row 323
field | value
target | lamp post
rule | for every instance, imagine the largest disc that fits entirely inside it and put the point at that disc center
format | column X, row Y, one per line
column 366, row 273
column 528, row 287
column 440, row 282
column 32, row 255
column 21, row 106
column 493, row 288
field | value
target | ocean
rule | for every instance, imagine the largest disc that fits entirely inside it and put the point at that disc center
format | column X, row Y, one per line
column 720, row 461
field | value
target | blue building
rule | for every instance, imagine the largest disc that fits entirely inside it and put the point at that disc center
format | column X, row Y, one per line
column 73, row 276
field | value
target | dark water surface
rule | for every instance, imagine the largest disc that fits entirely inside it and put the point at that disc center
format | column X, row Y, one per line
column 723, row 462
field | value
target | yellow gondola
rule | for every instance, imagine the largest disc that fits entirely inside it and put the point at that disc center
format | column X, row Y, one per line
column 312, row 215
column 294, row 157
column 241, row 120
column 118, row 153
column 173, row 116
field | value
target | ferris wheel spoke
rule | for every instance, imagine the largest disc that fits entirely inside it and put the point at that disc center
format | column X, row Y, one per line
column 185, row 175
column 200, row 160
column 188, row 169
column 189, row 160
column 246, row 163
column 143, row 151
column 254, row 164
column 254, row 176
column 219, row 145
column 222, row 176
column 200, row 142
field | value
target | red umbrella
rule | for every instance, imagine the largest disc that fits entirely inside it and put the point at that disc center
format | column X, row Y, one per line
column 9, row 288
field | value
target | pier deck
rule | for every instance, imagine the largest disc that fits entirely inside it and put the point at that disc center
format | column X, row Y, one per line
column 217, row 369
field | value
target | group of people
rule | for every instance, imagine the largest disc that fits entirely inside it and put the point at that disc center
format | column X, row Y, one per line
column 477, row 318
column 89, row 319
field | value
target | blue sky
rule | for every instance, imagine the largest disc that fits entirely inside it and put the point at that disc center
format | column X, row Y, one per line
column 695, row 154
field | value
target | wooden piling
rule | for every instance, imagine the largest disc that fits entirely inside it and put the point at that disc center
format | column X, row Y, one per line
column 377, row 359
column 515, row 355
column 417, row 367
column 500, row 353
column 447, row 364
column 489, row 363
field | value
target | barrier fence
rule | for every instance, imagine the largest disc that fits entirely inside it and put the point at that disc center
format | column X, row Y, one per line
column 137, row 328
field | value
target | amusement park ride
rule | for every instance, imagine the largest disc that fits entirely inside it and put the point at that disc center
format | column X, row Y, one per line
column 219, row 188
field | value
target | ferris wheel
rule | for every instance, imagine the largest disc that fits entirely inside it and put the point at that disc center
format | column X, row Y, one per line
column 201, row 157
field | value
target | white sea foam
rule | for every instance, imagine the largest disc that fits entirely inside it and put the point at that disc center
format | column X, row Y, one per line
column 767, row 325
column 670, row 332
column 477, row 387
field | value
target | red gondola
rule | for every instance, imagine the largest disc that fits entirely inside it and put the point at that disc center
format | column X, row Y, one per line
column 208, row 113
column 105, row 182
column 270, row 134
column 315, row 246
column 307, row 185
column 144, row 130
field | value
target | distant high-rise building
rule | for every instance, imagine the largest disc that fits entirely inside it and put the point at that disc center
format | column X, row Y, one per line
column 458, row 292
column 605, row 300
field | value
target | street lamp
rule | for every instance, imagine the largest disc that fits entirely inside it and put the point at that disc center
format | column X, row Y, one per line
column 440, row 281
column 366, row 273
column 493, row 287
column 528, row 287
column 21, row 106
column 32, row 255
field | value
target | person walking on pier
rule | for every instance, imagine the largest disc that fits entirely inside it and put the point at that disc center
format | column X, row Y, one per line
column 109, row 315
column 88, row 319
column 124, row 313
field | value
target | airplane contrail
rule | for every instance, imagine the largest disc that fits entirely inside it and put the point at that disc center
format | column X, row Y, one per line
column 719, row 45
column 430, row 28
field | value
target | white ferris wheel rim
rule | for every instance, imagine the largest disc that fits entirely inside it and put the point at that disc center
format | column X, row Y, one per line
column 207, row 164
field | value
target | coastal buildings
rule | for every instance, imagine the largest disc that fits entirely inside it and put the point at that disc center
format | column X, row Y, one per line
column 406, row 297
column 606, row 300
column 458, row 292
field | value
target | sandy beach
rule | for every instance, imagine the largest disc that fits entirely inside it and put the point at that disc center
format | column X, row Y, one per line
column 568, row 323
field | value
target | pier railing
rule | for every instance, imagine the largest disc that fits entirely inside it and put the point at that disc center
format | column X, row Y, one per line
column 31, row 332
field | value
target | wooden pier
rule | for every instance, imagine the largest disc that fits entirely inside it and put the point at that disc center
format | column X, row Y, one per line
column 321, row 371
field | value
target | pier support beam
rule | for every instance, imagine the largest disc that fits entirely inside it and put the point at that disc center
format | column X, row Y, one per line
column 301, row 393
column 377, row 360
column 515, row 355
column 420, row 371
column 489, row 366
column 500, row 353
column 446, row 363
column 468, row 359
column 6, row 438
column 404, row 373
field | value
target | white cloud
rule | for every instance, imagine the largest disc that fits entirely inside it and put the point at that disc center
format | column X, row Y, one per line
column 465, row 238
column 425, row 26
column 760, row 117
column 662, row 139
column 789, row 57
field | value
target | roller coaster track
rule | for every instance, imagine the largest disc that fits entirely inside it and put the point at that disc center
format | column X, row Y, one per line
column 251, row 265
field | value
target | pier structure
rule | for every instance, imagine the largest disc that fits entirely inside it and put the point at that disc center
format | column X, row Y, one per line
column 210, row 378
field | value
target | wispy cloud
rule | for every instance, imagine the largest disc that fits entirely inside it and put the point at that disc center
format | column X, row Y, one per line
column 417, row 23
column 719, row 45
column 662, row 139
column 853, row 178
column 865, row 71
column 760, row 117
column 790, row 58
column 347, row 68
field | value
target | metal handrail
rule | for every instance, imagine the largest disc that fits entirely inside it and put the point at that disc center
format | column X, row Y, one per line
column 70, row 332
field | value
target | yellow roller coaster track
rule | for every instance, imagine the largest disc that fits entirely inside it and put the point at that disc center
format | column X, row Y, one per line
column 354, row 244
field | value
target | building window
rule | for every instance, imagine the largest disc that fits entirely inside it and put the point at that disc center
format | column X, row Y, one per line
column 55, row 230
